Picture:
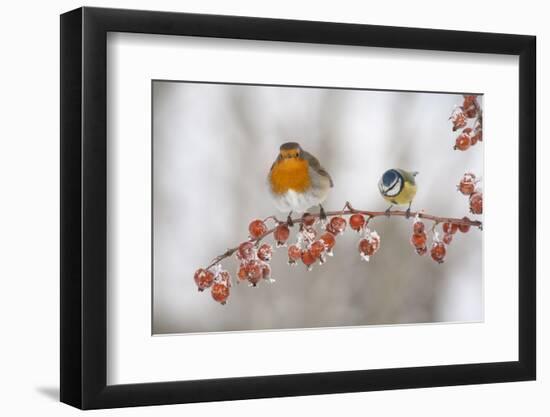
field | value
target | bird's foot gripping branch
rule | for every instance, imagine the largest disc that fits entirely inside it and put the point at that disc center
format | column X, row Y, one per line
column 315, row 239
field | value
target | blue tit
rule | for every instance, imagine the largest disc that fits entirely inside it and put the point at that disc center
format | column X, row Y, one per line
column 398, row 187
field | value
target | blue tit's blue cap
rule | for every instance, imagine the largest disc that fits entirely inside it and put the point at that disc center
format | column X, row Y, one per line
column 389, row 177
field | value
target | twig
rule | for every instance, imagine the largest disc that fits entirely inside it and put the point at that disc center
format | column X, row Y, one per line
column 348, row 209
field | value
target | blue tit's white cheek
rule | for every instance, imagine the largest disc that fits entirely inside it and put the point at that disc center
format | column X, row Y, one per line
column 395, row 189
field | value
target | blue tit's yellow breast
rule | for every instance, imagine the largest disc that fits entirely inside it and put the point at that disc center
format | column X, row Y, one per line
column 405, row 196
column 290, row 174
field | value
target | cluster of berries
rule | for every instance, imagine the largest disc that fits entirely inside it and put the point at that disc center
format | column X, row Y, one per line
column 469, row 186
column 438, row 251
column 215, row 278
column 470, row 135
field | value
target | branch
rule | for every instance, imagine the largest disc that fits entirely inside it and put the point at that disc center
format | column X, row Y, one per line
column 348, row 209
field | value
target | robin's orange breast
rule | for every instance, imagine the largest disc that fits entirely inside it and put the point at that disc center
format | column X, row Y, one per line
column 290, row 174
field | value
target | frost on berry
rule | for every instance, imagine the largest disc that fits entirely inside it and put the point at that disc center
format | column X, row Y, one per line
column 369, row 245
column 220, row 292
column 458, row 118
column 438, row 252
column 476, row 203
column 266, row 272
column 281, row 234
column 418, row 227
column 463, row 142
column 422, row 251
column 241, row 273
column 308, row 259
column 467, row 184
column 317, row 249
column 264, row 252
column 254, row 271
column 337, row 225
column 329, row 241
column 294, row 254
column 203, row 278
column 470, row 106
column 357, row 221
column 257, row 228
column 246, row 251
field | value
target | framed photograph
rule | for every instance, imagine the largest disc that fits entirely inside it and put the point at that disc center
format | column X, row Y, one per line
column 257, row 208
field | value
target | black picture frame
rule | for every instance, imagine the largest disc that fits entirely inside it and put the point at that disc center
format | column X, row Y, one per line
column 84, row 207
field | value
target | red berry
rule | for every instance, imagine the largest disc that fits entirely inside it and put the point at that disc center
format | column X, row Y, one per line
column 418, row 240
column 356, row 222
column 422, row 251
column 467, row 184
column 203, row 279
column 464, row 228
column 462, row 142
column 329, row 240
column 317, row 248
column 307, row 258
column 470, row 106
column 450, row 228
column 220, row 292
column 308, row 220
column 369, row 246
column 257, row 228
column 254, row 272
column 458, row 118
column 478, row 136
column 241, row 273
column 264, row 252
column 281, row 234
column 438, row 252
column 294, row 253
column 418, row 227
column 447, row 238
column 246, row 251
column 266, row 271
column 338, row 224
column 476, row 203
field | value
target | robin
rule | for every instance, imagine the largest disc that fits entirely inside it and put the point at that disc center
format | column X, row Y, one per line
column 297, row 181
column 398, row 186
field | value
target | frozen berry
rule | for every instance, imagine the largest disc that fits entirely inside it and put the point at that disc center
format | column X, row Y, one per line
column 464, row 228
column 254, row 272
column 294, row 253
column 338, row 224
column 447, row 238
column 264, row 252
column 369, row 246
column 220, row 292
column 463, row 142
column 246, row 251
column 266, row 271
column 281, row 234
column 241, row 273
column 329, row 240
column 307, row 258
column 317, row 248
column 476, row 203
column 418, row 227
column 356, row 222
column 458, row 118
column 203, row 279
column 418, row 240
column 438, row 252
column 470, row 106
column 467, row 184
column 257, row 228
column 450, row 228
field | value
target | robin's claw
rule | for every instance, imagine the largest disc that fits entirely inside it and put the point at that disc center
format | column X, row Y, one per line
column 322, row 214
column 289, row 221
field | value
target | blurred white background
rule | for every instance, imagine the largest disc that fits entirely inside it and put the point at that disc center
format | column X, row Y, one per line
column 213, row 147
